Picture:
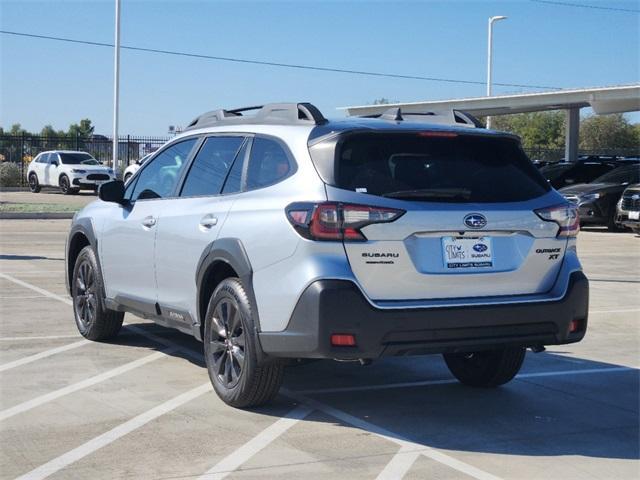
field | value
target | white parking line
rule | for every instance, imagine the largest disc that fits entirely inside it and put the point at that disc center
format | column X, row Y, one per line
column 45, row 337
column 386, row 386
column 393, row 437
column 399, row 465
column 41, row 291
column 234, row 460
column 618, row 310
column 41, row 355
column 48, row 397
column 114, row 434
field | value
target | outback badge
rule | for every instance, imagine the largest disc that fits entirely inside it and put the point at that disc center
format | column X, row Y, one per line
column 475, row 220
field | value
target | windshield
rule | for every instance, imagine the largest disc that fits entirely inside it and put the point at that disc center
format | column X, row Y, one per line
column 625, row 174
column 436, row 167
column 78, row 159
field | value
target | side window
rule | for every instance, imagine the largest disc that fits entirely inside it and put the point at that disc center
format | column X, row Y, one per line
column 43, row 158
column 158, row 179
column 268, row 163
column 211, row 166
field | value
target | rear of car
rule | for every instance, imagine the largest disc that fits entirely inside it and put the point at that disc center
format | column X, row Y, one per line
column 454, row 240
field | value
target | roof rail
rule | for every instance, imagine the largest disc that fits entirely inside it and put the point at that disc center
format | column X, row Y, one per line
column 273, row 113
column 449, row 117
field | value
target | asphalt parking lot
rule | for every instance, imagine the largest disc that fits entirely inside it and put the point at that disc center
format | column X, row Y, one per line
column 142, row 407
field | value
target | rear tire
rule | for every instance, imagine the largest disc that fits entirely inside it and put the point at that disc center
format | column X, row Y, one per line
column 238, row 378
column 34, row 185
column 489, row 368
column 93, row 319
column 612, row 226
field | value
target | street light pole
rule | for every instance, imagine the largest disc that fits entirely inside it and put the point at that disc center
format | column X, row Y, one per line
column 490, row 59
column 116, row 88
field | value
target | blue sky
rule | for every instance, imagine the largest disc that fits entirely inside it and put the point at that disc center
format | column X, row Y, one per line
column 47, row 82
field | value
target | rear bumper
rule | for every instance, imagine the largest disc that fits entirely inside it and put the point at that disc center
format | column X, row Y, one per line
column 337, row 306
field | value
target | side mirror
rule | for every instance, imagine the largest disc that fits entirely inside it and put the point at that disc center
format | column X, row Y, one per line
column 112, row 192
column 54, row 163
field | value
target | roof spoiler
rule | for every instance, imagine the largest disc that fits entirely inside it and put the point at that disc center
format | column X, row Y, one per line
column 449, row 117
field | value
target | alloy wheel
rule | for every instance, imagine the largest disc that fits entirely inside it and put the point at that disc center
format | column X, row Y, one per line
column 227, row 343
column 84, row 298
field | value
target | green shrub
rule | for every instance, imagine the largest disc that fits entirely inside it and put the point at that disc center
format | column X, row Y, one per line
column 10, row 175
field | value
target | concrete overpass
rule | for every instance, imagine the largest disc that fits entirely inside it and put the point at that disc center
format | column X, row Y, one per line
column 602, row 100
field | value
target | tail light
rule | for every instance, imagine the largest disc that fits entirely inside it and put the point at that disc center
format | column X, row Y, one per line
column 337, row 221
column 566, row 216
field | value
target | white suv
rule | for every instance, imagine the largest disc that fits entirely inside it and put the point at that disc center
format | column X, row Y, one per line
column 69, row 170
column 284, row 235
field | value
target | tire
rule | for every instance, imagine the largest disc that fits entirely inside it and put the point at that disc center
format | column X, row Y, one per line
column 65, row 186
column 612, row 226
column 34, row 185
column 230, row 350
column 93, row 319
column 489, row 368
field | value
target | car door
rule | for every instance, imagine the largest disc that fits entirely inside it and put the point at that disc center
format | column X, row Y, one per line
column 128, row 236
column 189, row 224
column 38, row 166
column 51, row 169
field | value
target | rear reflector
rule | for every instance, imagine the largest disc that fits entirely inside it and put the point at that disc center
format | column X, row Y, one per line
column 343, row 340
column 575, row 326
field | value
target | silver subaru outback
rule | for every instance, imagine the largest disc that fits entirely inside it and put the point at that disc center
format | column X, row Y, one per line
column 281, row 235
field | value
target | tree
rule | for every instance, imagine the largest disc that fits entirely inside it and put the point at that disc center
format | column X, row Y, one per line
column 84, row 130
column 603, row 132
column 16, row 129
column 537, row 129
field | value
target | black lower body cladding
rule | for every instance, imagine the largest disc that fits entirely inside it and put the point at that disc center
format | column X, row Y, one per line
column 338, row 307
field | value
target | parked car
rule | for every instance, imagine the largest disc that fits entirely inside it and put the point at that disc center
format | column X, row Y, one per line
column 284, row 236
column 68, row 170
column 564, row 174
column 628, row 209
column 134, row 167
column 596, row 201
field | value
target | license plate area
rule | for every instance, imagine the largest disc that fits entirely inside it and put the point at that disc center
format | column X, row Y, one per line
column 634, row 215
column 467, row 252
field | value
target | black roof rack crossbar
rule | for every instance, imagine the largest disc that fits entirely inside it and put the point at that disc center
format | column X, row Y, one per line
column 450, row 117
column 272, row 113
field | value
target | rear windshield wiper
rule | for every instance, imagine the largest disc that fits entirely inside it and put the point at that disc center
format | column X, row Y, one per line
column 430, row 193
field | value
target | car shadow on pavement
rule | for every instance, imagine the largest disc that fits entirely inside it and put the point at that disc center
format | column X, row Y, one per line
column 551, row 409
column 27, row 257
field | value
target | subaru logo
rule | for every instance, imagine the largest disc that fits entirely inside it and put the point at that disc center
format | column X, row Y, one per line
column 480, row 247
column 635, row 196
column 475, row 220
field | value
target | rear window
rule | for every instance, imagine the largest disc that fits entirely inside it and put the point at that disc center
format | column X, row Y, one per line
column 452, row 168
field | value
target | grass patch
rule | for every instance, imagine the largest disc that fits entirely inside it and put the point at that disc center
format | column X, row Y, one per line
column 10, row 207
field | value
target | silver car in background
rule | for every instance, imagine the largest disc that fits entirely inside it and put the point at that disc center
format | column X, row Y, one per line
column 283, row 235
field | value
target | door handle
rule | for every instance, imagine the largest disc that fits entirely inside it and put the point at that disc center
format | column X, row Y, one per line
column 208, row 221
column 149, row 221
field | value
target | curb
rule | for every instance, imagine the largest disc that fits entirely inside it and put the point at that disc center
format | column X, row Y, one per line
column 36, row 216
column 14, row 189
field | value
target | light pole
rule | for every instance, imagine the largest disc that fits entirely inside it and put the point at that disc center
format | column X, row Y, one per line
column 116, row 88
column 489, row 58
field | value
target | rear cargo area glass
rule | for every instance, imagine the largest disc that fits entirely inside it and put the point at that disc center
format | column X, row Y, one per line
column 440, row 167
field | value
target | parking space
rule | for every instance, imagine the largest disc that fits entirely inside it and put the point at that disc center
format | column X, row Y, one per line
column 142, row 406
